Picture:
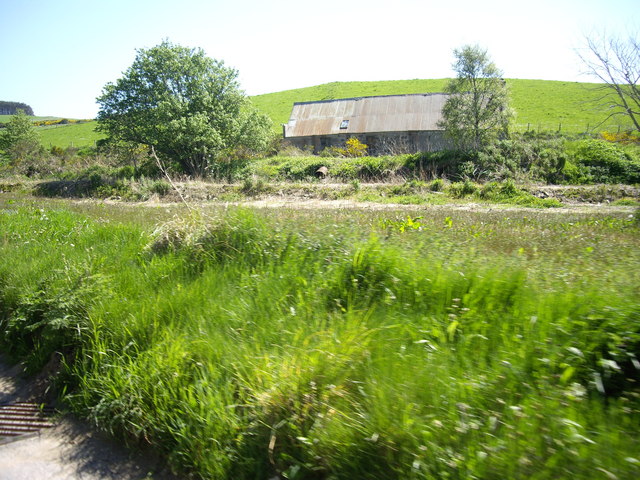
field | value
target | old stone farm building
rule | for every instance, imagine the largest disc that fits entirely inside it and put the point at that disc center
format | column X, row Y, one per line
column 387, row 124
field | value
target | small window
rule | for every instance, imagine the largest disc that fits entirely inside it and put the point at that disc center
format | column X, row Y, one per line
column 344, row 125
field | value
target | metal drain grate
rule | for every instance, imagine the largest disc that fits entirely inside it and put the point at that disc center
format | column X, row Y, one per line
column 23, row 418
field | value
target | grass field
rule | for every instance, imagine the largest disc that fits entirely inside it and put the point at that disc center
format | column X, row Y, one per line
column 539, row 104
column 65, row 135
column 6, row 118
column 76, row 135
column 337, row 344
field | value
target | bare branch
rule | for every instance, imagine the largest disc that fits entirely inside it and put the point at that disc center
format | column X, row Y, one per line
column 616, row 64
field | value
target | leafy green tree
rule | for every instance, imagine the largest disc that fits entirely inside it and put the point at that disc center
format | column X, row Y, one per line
column 477, row 109
column 19, row 139
column 186, row 106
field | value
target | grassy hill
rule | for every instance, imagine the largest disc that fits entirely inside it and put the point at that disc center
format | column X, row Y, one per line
column 76, row 134
column 539, row 104
column 63, row 135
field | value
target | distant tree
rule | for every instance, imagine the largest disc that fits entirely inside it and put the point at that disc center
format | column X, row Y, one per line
column 11, row 108
column 616, row 63
column 186, row 106
column 18, row 139
column 477, row 109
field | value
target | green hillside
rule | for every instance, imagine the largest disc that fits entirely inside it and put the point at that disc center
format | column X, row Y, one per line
column 76, row 135
column 542, row 105
column 539, row 104
column 63, row 135
column 6, row 118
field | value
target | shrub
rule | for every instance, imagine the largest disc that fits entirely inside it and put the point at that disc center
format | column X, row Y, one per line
column 57, row 151
column 443, row 163
column 606, row 162
column 158, row 187
column 253, row 186
column 509, row 189
column 437, row 185
column 355, row 148
column 461, row 189
column 535, row 158
column 621, row 137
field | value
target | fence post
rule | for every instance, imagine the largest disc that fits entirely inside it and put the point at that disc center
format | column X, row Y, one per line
column 559, row 127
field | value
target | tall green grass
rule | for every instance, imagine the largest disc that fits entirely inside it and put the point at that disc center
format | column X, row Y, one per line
column 250, row 344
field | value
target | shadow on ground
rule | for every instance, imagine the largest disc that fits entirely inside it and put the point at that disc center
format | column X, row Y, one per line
column 68, row 450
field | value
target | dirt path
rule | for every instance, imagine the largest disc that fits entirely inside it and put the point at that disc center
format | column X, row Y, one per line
column 68, row 450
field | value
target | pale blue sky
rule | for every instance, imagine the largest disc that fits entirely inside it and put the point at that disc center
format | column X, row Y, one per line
column 57, row 55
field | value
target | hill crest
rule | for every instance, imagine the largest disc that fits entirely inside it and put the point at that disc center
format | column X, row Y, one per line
column 547, row 105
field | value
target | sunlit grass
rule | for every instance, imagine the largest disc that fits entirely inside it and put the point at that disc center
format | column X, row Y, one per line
column 338, row 344
column 71, row 135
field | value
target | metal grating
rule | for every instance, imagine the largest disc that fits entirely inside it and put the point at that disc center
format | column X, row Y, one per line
column 22, row 418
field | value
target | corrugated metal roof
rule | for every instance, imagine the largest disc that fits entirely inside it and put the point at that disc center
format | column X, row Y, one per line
column 391, row 113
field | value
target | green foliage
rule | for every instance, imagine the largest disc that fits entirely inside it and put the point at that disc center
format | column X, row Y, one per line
column 605, row 162
column 185, row 105
column 50, row 319
column 402, row 225
column 155, row 186
column 19, row 140
column 477, row 109
column 461, row 189
column 305, row 167
column 505, row 192
column 538, row 159
column 96, row 181
column 253, row 186
column 254, row 344
column 527, row 157
column 436, row 185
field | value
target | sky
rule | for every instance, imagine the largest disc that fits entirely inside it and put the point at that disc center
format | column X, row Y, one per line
column 57, row 56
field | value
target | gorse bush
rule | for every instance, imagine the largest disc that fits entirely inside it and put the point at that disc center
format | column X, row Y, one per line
column 627, row 137
column 355, row 148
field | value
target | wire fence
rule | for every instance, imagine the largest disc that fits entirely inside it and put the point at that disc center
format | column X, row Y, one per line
column 559, row 127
